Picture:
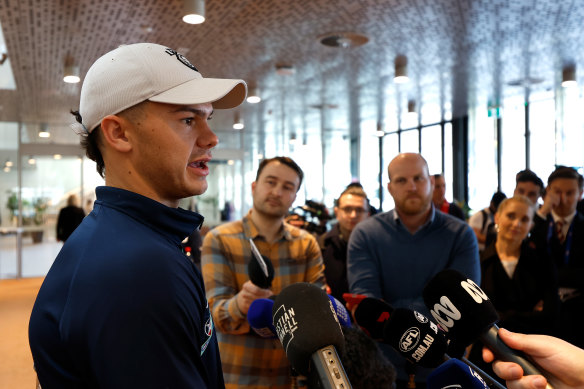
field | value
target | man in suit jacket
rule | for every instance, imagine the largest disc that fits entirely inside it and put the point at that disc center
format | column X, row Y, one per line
column 439, row 199
column 69, row 218
column 559, row 233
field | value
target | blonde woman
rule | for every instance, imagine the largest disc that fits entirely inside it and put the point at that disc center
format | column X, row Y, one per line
column 521, row 284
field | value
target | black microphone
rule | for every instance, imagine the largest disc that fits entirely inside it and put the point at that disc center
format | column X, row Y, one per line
column 371, row 315
column 463, row 310
column 455, row 374
column 415, row 337
column 420, row 341
column 260, row 269
column 310, row 333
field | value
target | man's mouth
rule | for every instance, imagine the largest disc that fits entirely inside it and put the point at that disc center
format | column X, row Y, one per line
column 199, row 164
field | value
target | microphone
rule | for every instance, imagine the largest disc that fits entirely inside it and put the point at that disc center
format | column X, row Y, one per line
column 310, row 333
column 415, row 337
column 259, row 317
column 260, row 268
column 420, row 341
column 371, row 315
column 463, row 310
column 455, row 374
column 341, row 312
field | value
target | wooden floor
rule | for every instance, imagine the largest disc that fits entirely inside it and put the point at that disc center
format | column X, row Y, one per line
column 16, row 301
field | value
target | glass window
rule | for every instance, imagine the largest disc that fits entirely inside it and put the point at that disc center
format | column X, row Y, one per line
column 369, row 163
column 337, row 167
column 482, row 157
column 448, row 161
column 512, row 142
column 309, row 157
column 432, row 148
column 409, row 141
column 46, row 185
column 542, row 134
column 390, row 151
column 570, row 137
column 8, row 199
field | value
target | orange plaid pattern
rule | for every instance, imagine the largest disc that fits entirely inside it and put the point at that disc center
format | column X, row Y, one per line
column 249, row 360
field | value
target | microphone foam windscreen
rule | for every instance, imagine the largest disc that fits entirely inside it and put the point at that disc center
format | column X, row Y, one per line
column 259, row 317
column 305, row 321
column 257, row 275
column 415, row 337
column 455, row 374
column 459, row 306
column 371, row 315
column 341, row 312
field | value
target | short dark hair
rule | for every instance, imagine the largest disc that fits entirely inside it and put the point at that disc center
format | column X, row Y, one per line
column 354, row 190
column 497, row 198
column 528, row 176
column 566, row 172
column 284, row 161
column 90, row 143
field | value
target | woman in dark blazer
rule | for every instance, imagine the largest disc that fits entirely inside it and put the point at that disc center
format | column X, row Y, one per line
column 521, row 283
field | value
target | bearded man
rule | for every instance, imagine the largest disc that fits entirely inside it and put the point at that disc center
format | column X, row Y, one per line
column 394, row 254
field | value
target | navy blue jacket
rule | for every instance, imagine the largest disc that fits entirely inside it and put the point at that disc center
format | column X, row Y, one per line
column 122, row 306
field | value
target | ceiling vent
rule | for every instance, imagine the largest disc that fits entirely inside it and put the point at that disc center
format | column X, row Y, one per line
column 344, row 40
column 525, row 82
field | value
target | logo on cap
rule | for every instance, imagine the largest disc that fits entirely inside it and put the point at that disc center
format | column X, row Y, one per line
column 181, row 58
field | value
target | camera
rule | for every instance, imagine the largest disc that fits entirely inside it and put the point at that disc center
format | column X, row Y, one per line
column 312, row 217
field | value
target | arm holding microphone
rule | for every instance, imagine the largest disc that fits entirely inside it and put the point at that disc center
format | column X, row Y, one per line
column 465, row 313
column 248, row 293
column 229, row 293
column 558, row 357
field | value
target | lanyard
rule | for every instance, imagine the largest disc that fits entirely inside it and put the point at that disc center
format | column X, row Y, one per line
column 567, row 242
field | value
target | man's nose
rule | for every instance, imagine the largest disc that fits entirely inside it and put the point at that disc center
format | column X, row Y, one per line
column 207, row 138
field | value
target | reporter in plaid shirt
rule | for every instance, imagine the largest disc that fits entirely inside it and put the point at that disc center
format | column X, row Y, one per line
column 250, row 361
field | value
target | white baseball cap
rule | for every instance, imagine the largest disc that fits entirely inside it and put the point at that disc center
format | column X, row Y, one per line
column 134, row 73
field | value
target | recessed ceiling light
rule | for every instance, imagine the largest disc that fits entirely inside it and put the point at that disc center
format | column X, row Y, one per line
column 285, row 70
column 344, row 40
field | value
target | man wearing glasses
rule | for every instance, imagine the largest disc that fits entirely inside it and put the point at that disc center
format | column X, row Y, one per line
column 351, row 208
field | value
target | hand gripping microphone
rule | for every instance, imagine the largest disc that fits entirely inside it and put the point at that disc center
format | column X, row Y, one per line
column 310, row 333
column 455, row 374
column 465, row 313
column 259, row 317
column 260, row 269
column 421, row 342
column 371, row 315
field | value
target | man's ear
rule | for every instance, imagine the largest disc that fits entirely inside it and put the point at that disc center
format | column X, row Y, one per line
column 113, row 129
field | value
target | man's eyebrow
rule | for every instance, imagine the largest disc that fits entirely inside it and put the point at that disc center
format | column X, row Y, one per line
column 196, row 111
column 286, row 182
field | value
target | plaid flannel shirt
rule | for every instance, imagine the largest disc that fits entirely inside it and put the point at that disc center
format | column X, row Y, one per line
column 249, row 360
